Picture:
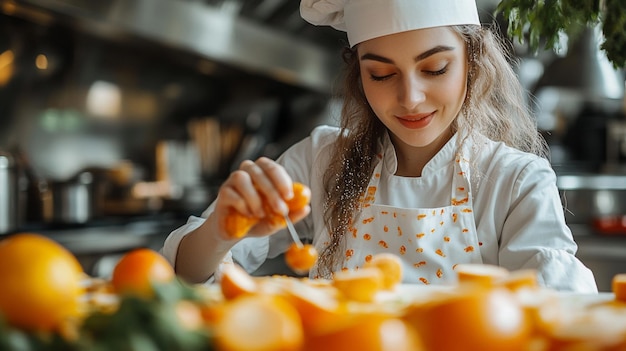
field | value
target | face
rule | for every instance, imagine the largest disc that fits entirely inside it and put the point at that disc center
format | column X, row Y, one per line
column 415, row 82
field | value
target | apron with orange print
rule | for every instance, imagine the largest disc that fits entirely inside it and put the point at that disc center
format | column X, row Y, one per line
column 430, row 241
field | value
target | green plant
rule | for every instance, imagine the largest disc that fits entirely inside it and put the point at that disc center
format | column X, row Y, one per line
column 545, row 20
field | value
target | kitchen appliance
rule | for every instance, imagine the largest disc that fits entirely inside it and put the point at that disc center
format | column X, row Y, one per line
column 595, row 211
column 591, row 200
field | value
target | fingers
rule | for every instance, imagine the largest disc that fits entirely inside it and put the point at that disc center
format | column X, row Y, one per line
column 298, row 215
column 271, row 226
column 254, row 183
column 271, row 181
column 239, row 193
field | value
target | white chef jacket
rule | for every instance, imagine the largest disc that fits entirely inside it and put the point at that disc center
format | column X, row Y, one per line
column 518, row 213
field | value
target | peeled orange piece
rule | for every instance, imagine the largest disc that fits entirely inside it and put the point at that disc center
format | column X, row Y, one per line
column 618, row 286
column 301, row 258
column 359, row 284
column 520, row 279
column 473, row 319
column 301, row 197
column 235, row 281
column 486, row 275
column 318, row 306
column 391, row 267
column 365, row 333
column 189, row 315
column 259, row 323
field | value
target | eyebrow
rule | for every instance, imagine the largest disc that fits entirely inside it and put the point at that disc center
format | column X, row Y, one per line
column 420, row 57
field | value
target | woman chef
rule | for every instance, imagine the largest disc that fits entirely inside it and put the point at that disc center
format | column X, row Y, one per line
column 437, row 160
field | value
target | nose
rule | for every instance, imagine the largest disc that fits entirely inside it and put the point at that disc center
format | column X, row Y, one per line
column 411, row 92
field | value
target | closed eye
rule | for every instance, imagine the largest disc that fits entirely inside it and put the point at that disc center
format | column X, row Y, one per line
column 381, row 78
column 437, row 73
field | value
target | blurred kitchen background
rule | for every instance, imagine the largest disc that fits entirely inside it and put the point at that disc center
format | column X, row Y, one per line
column 119, row 119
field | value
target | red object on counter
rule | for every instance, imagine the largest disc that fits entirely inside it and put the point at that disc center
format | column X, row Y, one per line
column 610, row 225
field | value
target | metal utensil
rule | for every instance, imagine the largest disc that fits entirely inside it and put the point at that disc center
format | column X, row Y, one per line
column 292, row 231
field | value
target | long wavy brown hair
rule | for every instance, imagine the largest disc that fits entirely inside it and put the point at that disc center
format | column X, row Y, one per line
column 494, row 106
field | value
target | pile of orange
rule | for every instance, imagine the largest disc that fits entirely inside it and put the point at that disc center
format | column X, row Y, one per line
column 490, row 308
column 285, row 313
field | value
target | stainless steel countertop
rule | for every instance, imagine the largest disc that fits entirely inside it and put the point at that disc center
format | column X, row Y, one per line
column 98, row 246
column 107, row 239
column 107, row 235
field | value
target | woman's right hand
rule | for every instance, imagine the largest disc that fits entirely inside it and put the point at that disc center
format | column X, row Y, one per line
column 254, row 196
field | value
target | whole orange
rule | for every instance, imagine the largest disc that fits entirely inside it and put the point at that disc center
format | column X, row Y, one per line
column 40, row 282
column 137, row 271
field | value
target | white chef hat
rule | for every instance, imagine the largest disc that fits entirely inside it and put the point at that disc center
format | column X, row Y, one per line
column 367, row 19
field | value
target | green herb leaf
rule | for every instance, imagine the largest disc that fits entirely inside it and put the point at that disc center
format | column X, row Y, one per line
column 542, row 22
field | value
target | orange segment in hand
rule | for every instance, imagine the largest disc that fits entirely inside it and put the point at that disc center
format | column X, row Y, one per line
column 237, row 225
column 301, row 197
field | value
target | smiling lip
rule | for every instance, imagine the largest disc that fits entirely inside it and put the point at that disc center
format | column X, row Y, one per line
column 416, row 121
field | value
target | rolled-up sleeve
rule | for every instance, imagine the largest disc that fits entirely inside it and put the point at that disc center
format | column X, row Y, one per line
column 249, row 253
column 170, row 246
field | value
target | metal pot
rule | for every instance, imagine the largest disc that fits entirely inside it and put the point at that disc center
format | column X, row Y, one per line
column 73, row 201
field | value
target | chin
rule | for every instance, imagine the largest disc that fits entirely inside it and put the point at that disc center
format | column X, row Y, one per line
column 413, row 140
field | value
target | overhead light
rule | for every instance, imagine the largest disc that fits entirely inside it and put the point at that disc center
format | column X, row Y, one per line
column 41, row 62
column 104, row 100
